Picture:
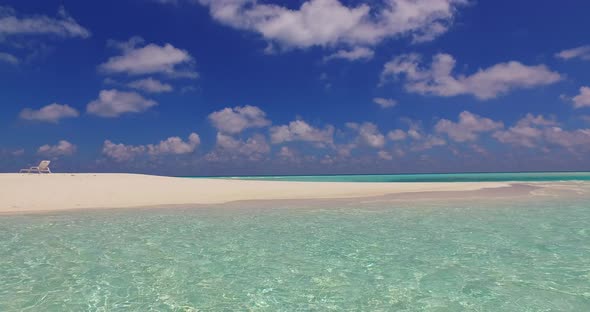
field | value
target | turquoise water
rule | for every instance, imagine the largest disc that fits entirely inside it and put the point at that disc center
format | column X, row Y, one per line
column 374, row 256
column 434, row 177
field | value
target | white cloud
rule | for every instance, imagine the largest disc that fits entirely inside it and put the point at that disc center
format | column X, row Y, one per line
column 254, row 148
column 523, row 136
column 63, row 26
column 527, row 132
column 414, row 134
column 149, row 59
column 467, row 128
column 419, row 140
column 171, row 146
column 582, row 99
column 539, row 120
column 286, row 153
column 330, row 22
column 345, row 150
column 368, row 134
column 428, row 142
column 384, row 103
column 62, row 148
column 50, row 113
column 355, row 54
column 384, row 155
column 299, row 130
column 121, row 152
column 8, row 58
column 150, row 85
column 478, row 149
column 113, row 103
column 568, row 139
column 237, row 119
column 397, row 135
column 582, row 52
column 175, row 145
column 485, row 84
column 537, row 131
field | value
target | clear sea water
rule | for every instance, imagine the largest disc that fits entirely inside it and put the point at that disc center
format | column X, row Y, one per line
column 432, row 177
column 502, row 254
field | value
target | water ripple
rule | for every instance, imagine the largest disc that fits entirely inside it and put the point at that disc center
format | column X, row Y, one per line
column 494, row 256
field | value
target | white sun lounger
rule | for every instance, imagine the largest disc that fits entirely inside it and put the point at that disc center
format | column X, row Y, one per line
column 42, row 168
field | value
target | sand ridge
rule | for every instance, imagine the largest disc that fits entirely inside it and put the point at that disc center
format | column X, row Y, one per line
column 32, row 192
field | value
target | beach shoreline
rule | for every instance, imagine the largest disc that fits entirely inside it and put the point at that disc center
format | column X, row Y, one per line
column 29, row 193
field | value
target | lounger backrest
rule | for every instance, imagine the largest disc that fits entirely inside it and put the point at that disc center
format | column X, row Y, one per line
column 44, row 164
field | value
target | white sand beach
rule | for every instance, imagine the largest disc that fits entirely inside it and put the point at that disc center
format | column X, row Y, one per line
column 51, row 192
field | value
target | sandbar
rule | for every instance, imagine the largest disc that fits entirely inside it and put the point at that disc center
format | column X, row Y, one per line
column 61, row 191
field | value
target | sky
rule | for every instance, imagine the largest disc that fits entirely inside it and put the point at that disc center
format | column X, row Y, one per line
column 245, row 87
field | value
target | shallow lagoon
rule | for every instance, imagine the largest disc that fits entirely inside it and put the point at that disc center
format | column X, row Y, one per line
column 460, row 255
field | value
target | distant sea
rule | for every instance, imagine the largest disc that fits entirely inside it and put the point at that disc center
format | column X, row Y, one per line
column 430, row 177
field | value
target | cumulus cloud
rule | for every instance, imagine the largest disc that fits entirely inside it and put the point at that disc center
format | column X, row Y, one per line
column 150, row 85
column 569, row 139
column 527, row 132
column 467, row 128
column 237, row 119
column 175, row 145
column 485, row 84
column 427, row 142
column 50, row 113
column 300, row 130
column 417, row 138
column 397, row 135
column 355, row 54
column 384, row 103
column 582, row 99
column 384, row 155
column 171, row 146
column 523, row 136
column 582, row 52
column 228, row 147
column 149, row 59
column 62, row 148
column 121, row 152
column 345, row 150
column 538, row 131
column 8, row 58
column 368, row 134
column 113, row 103
column 330, row 22
column 12, row 24
column 286, row 153
column 414, row 134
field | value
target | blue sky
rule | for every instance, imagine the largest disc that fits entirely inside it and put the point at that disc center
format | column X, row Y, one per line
column 203, row 87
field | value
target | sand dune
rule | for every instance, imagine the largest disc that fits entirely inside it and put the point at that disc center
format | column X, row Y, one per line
column 30, row 192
